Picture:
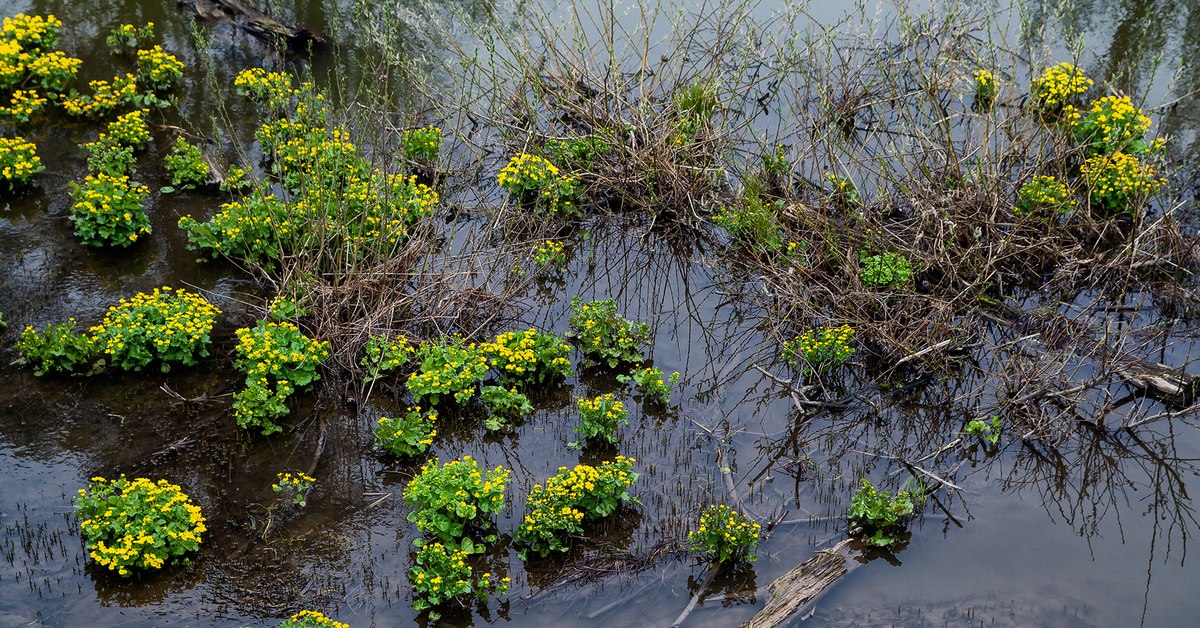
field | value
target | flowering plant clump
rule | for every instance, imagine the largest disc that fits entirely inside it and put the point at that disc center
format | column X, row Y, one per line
column 548, row 526
column 57, row 349
column 54, row 71
column 548, row 253
column 1120, row 181
column 311, row 619
column 649, row 382
column 157, row 69
column 105, row 97
column 138, row 524
column 503, row 403
column 252, row 228
column 271, row 90
column 157, row 326
column 130, row 129
column 282, row 308
column 820, row 349
column 32, row 32
column 450, row 498
column 1112, row 125
column 985, row 89
column 886, row 269
column 108, row 210
column 579, row 153
column 441, row 574
column 293, row 488
column 384, row 355
column 18, row 161
column 1059, row 86
column 447, row 368
column 604, row 334
column 127, row 37
column 528, row 357
column 534, row 179
column 407, row 435
column 422, row 145
column 1045, row 197
column 108, row 156
column 273, row 353
column 879, row 513
column 725, row 534
column 24, row 104
column 599, row 418
column 186, row 164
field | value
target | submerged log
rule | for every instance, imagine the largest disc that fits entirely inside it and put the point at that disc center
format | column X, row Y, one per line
column 799, row 588
column 1058, row 332
column 252, row 20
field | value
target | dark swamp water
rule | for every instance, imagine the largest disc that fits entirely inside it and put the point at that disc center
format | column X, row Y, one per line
column 1094, row 535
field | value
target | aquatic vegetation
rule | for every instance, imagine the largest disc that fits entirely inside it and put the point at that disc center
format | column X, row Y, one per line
column 160, row 326
column 128, row 37
column 106, row 96
column 422, row 145
column 384, row 355
column 598, row 419
column 579, row 153
column 24, row 104
column 988, row 432
column 776, row 164
column 1112, row 125
column 158, row 70
column 311, row 619
column 528, row 357
column 32, row 32
column 880, row 515
column 650, row 382
column 820, row 349
column 549, row 253
column 752, row 223
column 130, row 129
column 251, row 228
column 533, row 179
column 186, row 164
column 18, row 161
column 275, row 354
column 293, row 488
column 138, row 524
column 1120, row 182
column 58, row 349
column 844, row 193
column 884, row 270
column 554, row 512
column 284, row 309
column 1058, row 86
column 54, row 71
column 108, row 156
column 985, row 89
column 271, row 90
column 503, row 404
column 604, row 336
column 447, row 368
column 407, row 435
column 726, row 535
column 108, row 210
column 441, row 574
column 1044, row 197
column 450, row 498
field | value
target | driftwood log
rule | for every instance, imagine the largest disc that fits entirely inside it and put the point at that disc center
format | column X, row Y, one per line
column 799, row 588
column 252, row 20
column 1058, row 332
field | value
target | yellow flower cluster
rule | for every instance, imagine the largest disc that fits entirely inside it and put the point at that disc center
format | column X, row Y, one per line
column 158, row 69
column 268, row 89
column 32, row 32
column 18, row 160
column 1044, row 195
column 548, row 252
column 528, row 356
column 105, row 97
column 448, row 368
column 1059, row 85
column 726, row 534
column 139, row 523
column 407, row 435
column 311, row 619
column 422, row 145
column 1120, row 180
column 985, row 80
column 267, row 353
column 55, row 70
column 130, row 129
column 24, row 104
column 108, row 210
column 1113, row 124
column 820, row 348
column 158, row 325
column 526, row 172
column 456, row 493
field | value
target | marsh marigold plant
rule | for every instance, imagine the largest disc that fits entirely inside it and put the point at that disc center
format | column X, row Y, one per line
column 163, row 326
column 108, row 210
column 448, row 499
column 138, row 524
column 18, row 161
column 725, row 534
